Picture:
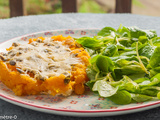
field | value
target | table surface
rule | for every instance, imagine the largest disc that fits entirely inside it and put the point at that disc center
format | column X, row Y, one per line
column 13, row 27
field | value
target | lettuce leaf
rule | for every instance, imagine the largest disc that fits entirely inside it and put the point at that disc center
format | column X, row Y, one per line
column 124, row 64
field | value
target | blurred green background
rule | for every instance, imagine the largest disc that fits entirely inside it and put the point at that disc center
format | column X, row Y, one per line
column 34, row 7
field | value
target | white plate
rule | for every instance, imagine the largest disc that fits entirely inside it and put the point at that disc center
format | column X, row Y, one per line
column 88, row 104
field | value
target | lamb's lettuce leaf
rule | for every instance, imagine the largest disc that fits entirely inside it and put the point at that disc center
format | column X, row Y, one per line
column 107, row 31
column 90, row 42
column 140, row 97
column 104, row 89
column 121, row 97
column 124, row 64
column 155, row 58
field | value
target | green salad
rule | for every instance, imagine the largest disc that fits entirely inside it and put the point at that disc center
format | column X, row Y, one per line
column 124, row 64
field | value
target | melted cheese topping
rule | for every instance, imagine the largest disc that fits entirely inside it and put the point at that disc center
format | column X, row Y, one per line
column 44, row 59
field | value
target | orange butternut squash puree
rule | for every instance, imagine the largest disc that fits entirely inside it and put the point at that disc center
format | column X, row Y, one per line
column 22, row 84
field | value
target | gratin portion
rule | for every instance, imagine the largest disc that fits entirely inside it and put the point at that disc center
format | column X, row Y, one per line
column 53, row 65
column 44, row 59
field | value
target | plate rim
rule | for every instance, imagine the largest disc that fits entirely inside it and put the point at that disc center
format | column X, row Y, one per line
column 24, row 104
column 49, row 31
column 79, row 111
